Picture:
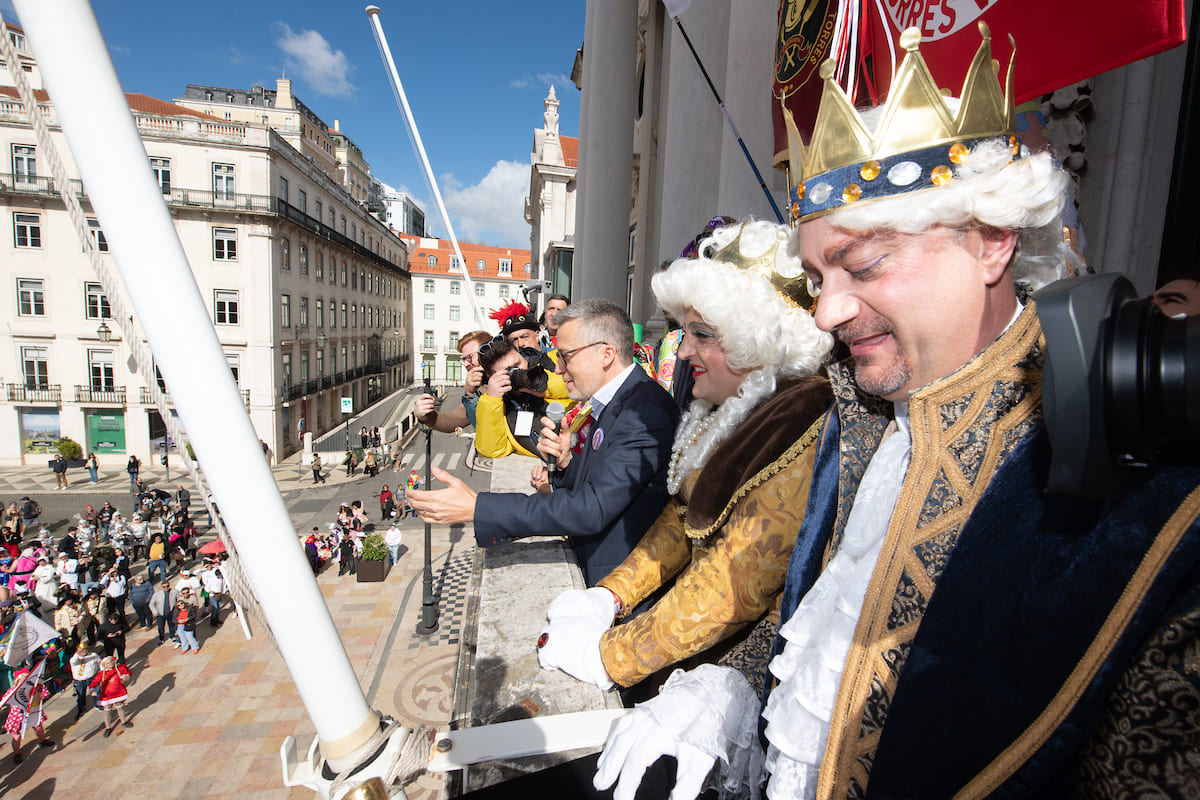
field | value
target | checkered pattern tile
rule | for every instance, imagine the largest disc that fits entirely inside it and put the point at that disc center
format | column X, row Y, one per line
column 454, row 579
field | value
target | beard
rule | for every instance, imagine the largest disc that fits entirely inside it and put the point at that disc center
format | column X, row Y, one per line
column 879, row 375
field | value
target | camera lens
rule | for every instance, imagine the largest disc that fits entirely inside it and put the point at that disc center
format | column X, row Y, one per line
column 518, row 377
column 1153, row 380
column 1121, row 385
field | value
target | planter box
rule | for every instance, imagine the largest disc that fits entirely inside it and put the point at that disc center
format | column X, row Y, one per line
column 72, row 463
column 372, row 571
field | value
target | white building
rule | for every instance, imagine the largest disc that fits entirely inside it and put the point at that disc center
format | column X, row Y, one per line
column 550, row 206
column 442, row 304
column 308, row 293
column 403, row 213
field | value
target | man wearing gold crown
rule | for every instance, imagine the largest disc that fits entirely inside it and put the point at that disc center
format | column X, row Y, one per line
column 950, row 629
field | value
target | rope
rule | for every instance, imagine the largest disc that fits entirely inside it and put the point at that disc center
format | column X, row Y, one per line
column 141, row 356
column 409, row 764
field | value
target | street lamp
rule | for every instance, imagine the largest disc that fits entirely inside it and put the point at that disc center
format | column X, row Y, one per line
column 104, row 332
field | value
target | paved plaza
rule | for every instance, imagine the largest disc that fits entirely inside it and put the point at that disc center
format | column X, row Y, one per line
column 210, row 725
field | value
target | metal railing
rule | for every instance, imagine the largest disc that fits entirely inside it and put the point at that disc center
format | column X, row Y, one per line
column 94, row 394
column 144, row 397
column 205, row 198
column 28, row 184
column 44, row 185
column 20, row 393
column 322, row 230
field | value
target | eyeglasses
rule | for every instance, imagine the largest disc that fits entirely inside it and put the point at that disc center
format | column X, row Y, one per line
column 565, row 356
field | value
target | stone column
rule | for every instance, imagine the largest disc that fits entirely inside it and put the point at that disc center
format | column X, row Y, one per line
column 606, row 157
column 1130, row 156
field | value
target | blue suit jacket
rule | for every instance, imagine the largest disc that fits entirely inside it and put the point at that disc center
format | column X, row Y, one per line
column 606, row 500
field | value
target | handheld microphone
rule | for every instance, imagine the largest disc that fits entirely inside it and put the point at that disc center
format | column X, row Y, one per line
column 555, row 411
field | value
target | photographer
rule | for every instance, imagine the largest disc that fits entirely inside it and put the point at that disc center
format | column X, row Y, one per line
column 463, row 416
column 518, row 388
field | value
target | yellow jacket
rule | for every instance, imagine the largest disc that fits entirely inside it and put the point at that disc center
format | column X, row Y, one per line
column 493, row 439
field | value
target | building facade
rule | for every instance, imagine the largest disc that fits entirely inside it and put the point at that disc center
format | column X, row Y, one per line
column 403, row 214
column 309, row 293
column 445, row 298
column 550, row 206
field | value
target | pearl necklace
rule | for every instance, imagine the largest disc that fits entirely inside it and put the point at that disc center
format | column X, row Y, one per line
column 674, row 479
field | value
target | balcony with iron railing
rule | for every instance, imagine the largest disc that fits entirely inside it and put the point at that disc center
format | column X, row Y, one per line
column 322, row 230
column 50, row 394
column 144, row 397
column 206, row 198
column 45, row 186
column 22, row 183
column 99, row 395
column 179, row 197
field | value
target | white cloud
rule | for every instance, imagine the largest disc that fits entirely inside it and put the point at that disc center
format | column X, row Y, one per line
column 492, row 211
column 326, row 70
column 559, row 80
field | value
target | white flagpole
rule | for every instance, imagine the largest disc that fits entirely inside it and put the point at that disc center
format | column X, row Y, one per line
column 411, row 124
column 94, row 114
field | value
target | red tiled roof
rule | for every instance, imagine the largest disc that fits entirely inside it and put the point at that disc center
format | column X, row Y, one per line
column 137, row 102
column 11, row 91
column 418, row 257
column 152, row 105
column 570, row 148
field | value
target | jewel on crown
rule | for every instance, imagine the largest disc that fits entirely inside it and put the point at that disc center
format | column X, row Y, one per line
column 916, row 143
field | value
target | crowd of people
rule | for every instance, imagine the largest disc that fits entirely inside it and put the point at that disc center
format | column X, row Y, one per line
column 342, row 542
column 83, row 585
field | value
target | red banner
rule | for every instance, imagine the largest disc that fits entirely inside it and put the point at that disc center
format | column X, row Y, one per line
column 803, row 36
column 1058, row 42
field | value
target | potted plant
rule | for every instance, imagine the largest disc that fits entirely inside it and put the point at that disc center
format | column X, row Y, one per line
column 71, row 450
column 373, row 564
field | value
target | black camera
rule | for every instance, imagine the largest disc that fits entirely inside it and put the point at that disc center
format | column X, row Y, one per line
column 1121, row 385
column 535, row 377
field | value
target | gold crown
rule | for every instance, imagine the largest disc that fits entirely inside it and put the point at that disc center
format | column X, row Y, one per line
column 916, row 142
column 794, row 290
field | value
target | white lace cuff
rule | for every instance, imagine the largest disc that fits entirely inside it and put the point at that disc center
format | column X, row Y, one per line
column 715, row 710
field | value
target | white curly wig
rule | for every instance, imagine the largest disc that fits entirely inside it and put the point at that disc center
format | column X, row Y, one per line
column 758, row 328
column 990, row 189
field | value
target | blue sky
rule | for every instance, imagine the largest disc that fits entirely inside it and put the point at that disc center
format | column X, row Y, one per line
column 475, row 73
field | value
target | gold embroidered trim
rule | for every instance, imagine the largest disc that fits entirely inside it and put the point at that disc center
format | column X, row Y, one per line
column 867, row 671
column 1016, row 754
column 793, row 452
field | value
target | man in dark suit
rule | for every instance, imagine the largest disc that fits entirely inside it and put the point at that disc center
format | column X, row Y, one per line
column 607, row 495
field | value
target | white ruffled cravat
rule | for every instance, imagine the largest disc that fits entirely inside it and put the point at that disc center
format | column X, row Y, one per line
column 818, row 635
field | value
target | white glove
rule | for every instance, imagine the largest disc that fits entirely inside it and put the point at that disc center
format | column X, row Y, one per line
column 703, row 717
column 597, row 604
column 636, row 742
column 572, row 644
